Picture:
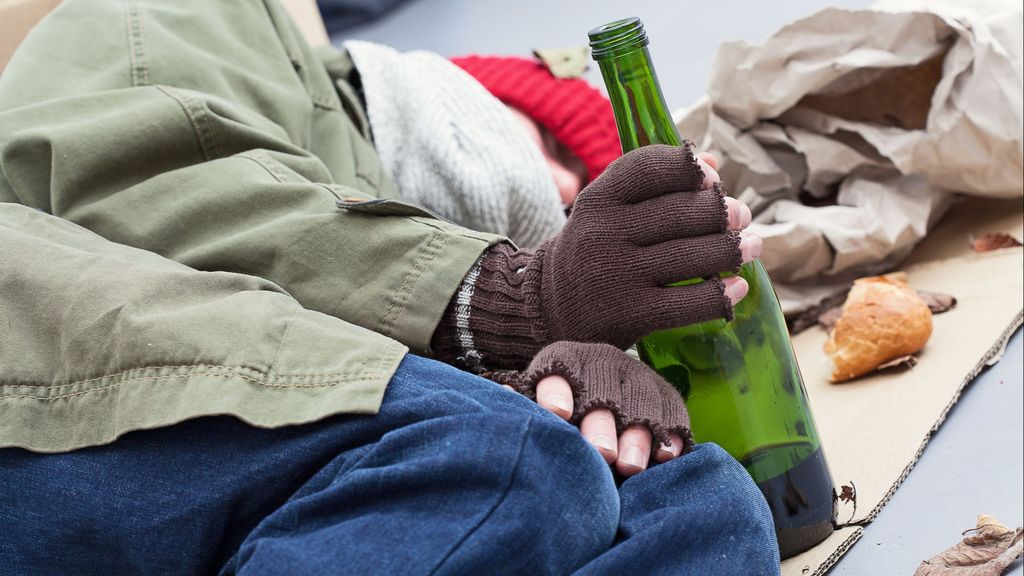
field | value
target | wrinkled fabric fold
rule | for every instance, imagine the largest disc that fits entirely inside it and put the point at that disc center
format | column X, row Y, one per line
column 102, row 339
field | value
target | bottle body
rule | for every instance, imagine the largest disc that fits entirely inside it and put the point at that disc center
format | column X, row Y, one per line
column 744, row 392
column 740, row 379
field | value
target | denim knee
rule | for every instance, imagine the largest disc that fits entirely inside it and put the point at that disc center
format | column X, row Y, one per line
column 560, row 508
column 747, row 518
column 707, row 504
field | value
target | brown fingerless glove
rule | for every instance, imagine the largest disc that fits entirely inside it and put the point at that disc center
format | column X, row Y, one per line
column 602, row 376
column 644, row 223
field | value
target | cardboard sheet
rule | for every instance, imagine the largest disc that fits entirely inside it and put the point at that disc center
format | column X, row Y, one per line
column 819, row 559
column 874, row 429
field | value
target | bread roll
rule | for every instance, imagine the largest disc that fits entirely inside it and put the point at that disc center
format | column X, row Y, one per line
column 883, row 319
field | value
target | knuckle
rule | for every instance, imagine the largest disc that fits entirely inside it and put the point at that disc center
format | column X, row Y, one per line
column 602, row 417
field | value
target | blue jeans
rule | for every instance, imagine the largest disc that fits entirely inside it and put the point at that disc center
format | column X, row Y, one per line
column 455, row 475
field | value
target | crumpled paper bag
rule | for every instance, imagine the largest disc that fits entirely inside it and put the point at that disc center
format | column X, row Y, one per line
column 851, row 132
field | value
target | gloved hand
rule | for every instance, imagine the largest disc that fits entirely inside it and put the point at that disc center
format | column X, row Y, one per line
column 646, row 222
column 609, row 395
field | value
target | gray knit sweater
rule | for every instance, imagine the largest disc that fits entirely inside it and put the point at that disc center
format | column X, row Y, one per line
column 453, row 148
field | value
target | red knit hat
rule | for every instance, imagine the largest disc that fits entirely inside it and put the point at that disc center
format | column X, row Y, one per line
column 573, row 111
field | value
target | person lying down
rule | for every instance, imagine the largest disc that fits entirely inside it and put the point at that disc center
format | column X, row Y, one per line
column 235, row 342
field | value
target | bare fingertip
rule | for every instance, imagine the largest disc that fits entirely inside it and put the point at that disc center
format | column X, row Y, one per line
column 561, row 406
column 606, row 447
column 735, row 288
column 734, row 212
column 750, row 246
column 709, row 158
column 633, row 459
column 739, row 213
column 711, row 177
column 555, row 395
column 628, row 469
column 664, row 454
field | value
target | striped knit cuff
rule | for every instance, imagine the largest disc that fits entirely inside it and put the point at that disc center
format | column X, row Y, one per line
column 487, row 325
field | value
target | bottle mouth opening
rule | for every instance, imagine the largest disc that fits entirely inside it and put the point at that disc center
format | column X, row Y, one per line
column 617, row 37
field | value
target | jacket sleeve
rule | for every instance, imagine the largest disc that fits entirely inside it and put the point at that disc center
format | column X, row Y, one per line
column 100, row 339
column 208, row 133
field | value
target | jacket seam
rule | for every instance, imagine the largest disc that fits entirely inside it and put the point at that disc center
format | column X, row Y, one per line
column 280, row 345
column 136, row 45
column 359, row 173
column 276, row 170
column 384, row 355
column 267, row 163
column 300, row 67
column 440, row 224
column 287, row 44
column 330, row 378
column 323, row 103
column 370, row 376
column 426, row 256
column 199, row 120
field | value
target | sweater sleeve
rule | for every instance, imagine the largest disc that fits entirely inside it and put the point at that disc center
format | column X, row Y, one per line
column 489, row 325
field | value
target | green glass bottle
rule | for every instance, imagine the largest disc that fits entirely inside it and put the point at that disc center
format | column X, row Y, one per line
column 740, row 379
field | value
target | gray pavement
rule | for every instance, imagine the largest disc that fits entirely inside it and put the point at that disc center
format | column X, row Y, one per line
column 684, row 35
column 972, row 465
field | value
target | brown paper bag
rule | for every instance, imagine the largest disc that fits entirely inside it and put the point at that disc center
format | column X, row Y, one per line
column 850, row 132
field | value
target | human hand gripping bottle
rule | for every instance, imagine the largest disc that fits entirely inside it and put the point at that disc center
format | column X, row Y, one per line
column 740, row 379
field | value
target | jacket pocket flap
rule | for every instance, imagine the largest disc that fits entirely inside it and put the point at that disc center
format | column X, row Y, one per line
column 384, row 207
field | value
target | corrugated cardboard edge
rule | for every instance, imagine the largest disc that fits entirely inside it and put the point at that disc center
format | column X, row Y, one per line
column 994, row 353
column 991, row 357
column 839, row 552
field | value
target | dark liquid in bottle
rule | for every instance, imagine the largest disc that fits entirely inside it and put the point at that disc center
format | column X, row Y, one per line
column 802, row 503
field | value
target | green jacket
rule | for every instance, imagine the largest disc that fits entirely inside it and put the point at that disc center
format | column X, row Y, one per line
column 223, row 239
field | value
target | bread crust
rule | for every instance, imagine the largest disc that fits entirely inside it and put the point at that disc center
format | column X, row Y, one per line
column 883, row 319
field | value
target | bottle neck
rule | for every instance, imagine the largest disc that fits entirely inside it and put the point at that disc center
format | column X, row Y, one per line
column 641, row 114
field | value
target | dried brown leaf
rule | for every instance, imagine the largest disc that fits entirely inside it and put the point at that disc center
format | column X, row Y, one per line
column 565, row 62
column 803, row 321
column 992, row 241
column 847, row 494
column 937, row 302
column 810, row 317
column 987, row 552
column 828, row 311
column 829, row 317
